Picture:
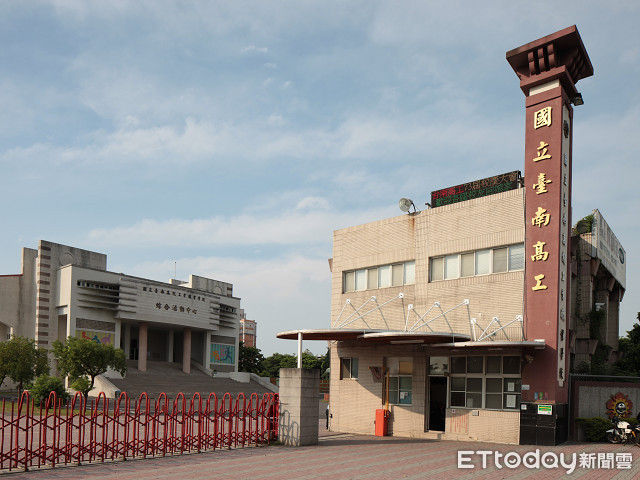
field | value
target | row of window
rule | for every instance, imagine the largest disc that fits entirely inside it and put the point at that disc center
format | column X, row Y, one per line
column 382, row 276
column 98, row 285
column 488, row 382
column 480, row 262
column 493, row 393
column 458, row 265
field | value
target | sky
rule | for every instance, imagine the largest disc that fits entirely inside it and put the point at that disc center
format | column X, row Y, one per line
column 229, row 139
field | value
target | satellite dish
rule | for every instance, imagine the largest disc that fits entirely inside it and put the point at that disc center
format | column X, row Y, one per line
column 405, row 204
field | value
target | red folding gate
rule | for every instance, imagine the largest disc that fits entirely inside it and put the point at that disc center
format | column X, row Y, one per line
column 86, row 432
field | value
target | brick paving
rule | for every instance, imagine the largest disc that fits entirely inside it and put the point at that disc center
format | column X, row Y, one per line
column 341, row 456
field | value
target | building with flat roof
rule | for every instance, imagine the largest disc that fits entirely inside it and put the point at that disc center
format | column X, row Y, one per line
column 248, row 330
column 67, row 291
column 463, row 321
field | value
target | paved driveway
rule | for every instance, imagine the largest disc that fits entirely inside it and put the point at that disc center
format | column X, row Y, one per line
column 367, row 457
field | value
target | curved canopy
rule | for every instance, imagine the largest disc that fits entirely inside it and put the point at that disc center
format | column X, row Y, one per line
column 537, row 344
column 324, row 334
column 396, row 338
column 389, row 337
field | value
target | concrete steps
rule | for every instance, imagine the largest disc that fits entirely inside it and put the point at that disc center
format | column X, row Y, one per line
column 168, row 378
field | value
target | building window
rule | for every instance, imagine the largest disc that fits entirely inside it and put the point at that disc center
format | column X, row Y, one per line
column 437, row 269
column 491, row 382
column 400, row 380
column 516, row 257
column 500, row 260
column 348, row 368
column 451, row 269
column 383, row 276
column 467, row 264
column 479, row 262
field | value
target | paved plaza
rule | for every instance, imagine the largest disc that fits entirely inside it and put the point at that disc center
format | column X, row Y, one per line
column 340, row 456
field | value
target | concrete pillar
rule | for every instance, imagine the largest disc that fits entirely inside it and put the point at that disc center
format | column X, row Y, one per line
column 613, row 320
column 299, row 404
column 170, row 352
column 602, row 298
column 186, row 350
column 207, row 351
column 126, row 334
column 143, row 331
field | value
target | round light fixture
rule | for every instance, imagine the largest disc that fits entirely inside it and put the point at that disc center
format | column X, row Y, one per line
column 405, row 204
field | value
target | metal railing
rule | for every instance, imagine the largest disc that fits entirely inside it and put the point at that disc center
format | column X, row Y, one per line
column 88, row 432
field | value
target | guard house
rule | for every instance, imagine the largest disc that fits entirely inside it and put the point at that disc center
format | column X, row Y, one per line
column 66, row 291
column 455, row 320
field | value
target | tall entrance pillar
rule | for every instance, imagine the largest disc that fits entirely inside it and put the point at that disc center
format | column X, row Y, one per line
column 186, row 350
column 171, row 342
column 299, row 404
column 548, row 69
column 143, row 334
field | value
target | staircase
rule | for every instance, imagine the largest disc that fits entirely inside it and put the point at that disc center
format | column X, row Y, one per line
column 168, row 378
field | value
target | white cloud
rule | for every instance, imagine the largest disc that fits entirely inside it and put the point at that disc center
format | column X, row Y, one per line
column 301, row 226
column 253, row 48
column 284, row 293
column 276, row 120
column 313, row 203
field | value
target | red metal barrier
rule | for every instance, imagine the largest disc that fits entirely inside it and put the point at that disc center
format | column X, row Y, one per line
column 81, row 432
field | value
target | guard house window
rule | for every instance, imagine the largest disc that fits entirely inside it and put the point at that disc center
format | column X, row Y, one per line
column 489, row 382
column 348, row 368
column 400, row 380
column 383, row 276
column 479, row 262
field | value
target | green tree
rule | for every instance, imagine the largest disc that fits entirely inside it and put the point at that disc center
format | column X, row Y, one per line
column 271, row 365
column 310, row 361
column 21, row 361
column 326, row 363
column 250, row 359
column 81, row 358
column 42, row 387
column 629, row 346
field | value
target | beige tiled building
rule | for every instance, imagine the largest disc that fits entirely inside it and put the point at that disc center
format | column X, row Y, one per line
column 418, row 266
column 427, row 312
column 463, row 321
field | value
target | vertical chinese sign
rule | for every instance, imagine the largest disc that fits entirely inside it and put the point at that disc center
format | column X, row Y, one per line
column 548, row 69
column 548, row 223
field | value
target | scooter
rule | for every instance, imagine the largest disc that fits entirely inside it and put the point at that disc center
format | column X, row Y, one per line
column 623, row 432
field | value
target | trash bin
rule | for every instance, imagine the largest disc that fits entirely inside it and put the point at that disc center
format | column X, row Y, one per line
column 382, row 417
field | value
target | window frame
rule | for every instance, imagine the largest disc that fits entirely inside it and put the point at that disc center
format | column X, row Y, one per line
column 350, row 365
column 438, row 270
column 460, row 392
column 401, row 378
column 361, row 279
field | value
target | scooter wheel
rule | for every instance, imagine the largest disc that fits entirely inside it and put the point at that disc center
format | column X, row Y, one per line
column 613, row 438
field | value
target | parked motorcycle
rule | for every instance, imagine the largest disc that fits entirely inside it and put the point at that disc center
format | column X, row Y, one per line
column 623, row 432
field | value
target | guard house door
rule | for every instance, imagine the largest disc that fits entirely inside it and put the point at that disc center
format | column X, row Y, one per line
column 436, row 404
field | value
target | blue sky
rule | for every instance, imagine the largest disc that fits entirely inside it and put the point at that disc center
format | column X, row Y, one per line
column 233, row 137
